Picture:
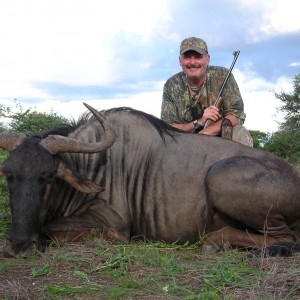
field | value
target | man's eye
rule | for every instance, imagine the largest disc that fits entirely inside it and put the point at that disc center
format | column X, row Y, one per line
column 195, row 55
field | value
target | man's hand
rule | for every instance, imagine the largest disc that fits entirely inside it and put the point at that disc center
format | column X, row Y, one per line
column 215, row 128
column 211, row 113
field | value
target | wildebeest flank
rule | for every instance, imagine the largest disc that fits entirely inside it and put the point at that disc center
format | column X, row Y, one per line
column 132, row 175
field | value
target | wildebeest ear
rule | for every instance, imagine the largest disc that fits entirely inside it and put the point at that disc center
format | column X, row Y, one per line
column 77, row 180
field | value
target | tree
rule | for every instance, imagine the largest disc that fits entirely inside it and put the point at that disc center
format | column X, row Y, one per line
column 30, row 121
column 2, row 128
column 291, row 106
column 286, row 142
column 259, row 138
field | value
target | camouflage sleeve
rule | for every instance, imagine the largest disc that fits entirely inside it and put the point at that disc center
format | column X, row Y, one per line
column 168, row 107
column 233, row 102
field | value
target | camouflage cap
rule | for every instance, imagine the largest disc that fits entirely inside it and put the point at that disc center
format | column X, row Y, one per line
column 194, row 44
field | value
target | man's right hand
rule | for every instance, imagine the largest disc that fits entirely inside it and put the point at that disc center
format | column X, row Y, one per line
column 211, row 113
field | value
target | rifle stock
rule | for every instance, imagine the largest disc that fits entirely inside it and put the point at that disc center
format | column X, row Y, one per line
column 219, row 100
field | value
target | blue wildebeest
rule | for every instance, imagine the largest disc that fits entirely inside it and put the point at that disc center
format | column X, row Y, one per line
column 131, row 175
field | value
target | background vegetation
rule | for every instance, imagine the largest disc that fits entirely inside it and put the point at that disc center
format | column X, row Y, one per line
column 29, row 121
column 98, row 269
column 286, row 141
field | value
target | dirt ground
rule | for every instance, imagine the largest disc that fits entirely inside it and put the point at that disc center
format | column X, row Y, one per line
column 72, row 274
column 78, row 271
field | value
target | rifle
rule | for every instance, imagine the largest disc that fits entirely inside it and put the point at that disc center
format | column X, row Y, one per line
column 219, row 101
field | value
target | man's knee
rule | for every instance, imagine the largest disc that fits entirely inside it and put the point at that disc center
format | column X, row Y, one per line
column 241, row 135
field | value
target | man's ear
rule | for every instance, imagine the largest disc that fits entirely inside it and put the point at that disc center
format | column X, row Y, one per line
column 180, row 60
column 208, row 59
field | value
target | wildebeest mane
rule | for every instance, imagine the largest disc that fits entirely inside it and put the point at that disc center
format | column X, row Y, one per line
column 63, row 130
column 161, row 127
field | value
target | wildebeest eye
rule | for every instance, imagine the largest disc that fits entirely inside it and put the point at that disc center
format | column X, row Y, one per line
column 46, row 177
column 9, row 176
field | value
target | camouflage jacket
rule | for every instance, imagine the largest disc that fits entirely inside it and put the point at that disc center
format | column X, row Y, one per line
column 178, row 99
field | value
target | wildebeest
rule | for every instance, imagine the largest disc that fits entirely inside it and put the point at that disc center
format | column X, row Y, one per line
column 132, row 175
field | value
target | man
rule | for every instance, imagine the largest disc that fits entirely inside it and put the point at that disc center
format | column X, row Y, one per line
column 189, row 95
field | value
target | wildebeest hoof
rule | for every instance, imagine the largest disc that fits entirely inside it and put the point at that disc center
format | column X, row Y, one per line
column 283, row 249
column 115, row 235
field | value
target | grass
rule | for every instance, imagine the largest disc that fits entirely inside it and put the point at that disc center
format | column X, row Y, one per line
column 99, row 269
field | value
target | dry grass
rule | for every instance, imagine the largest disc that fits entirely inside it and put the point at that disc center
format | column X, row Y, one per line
column 97, row 269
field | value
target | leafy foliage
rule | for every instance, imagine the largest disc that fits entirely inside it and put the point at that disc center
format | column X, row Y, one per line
column 259, row 138
column 284, row 143
column 291, row 106
column 29, row 121
column 2, row 128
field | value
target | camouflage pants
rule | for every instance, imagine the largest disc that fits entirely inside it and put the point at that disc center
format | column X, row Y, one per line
column 241, row 135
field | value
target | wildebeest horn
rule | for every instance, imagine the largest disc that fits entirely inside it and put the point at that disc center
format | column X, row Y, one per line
column 57, row 143
column 9, row 141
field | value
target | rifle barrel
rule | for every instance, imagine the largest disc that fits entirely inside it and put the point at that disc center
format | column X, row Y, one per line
column 236, row 54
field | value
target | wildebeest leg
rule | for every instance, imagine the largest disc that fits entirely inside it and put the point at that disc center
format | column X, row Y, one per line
column 79, row 235
column 98, row 218
column 76, row 229
column 256, row 201
column 228, row 237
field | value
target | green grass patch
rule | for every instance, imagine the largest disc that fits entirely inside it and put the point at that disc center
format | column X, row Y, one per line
column 6, row 265
column 65, row 289
column 40, row 271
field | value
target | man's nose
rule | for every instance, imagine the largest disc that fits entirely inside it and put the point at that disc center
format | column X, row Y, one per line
column 193, row 60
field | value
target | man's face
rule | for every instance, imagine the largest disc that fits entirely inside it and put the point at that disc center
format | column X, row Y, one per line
column 194, row 64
